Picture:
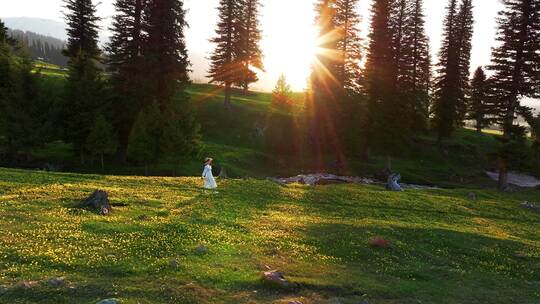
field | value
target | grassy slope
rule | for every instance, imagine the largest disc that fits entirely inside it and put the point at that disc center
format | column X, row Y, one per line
column 445, row 248
column 229, row 137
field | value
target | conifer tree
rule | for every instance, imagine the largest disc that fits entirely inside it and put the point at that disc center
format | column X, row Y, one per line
column 281, row 130
column 516, row 59
column 3, row 32
column 102, row 141
column 250, row 37
column 384, row 131
column 27, row 124
column 144, row 140
column 225, row 64
column 326, row 90
column 83, row 94
column 165, row 55
column 415, row 66
column 478, row 105
column 180, row 138
column 466, row 27
column 125, row 61
column 454, row 62
column 82, row 29
column 349, row 45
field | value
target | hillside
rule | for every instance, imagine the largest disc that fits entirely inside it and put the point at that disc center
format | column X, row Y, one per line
column 444, row 248
column 41, row 26
column 233, row 139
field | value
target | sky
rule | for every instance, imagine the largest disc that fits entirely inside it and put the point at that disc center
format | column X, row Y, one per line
column 289, row 33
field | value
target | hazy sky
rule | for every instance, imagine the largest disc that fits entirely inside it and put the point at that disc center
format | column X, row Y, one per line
column 288, row 31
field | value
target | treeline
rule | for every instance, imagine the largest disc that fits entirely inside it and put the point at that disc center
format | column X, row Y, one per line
column 399, row 93
column 41, row 47
column 140, row 113
column 364, row 97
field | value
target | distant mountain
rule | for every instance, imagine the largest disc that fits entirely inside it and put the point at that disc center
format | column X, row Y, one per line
column 41, row 47
column 45, row 27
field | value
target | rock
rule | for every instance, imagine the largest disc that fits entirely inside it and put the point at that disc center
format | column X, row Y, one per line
column 174, row 263
column 99, row 201
column 471, row 196
column 143, row 217
column 201, row 249
column 275, row 277
column 108, row 301
column 56, row 282
column 379, row 242
column 28, row 284
column 530, row 206
column 393, row 182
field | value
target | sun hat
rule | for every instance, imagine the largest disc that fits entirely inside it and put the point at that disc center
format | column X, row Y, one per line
column 208, row 159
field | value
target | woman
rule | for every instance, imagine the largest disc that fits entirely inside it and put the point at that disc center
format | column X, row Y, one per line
column 209, row 181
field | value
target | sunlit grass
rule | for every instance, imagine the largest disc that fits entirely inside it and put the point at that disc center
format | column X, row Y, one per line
column 443, row 246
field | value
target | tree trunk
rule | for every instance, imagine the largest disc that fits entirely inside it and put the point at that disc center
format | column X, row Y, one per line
column 478, row 128
column 389, row 164
column 82, row 156
column 102, row 163
column 227, row 102
column 145, row 169
column 503, row 174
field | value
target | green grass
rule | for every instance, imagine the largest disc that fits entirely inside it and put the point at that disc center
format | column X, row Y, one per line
column 229, row 136
column 444, row 247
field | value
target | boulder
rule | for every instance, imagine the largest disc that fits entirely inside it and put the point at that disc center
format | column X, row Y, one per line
column 28, row 284
column 174, row 263
column 56, row 282
column 471, row 196
column 99, row 201
column 393, row 182
column 379, row 242
column 201, row 249
column 108, row 301
column 530, row 206
column 276, row 278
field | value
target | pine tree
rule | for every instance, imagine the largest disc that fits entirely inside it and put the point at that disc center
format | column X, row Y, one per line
column 84, row 86
column 3, row 32
column 102, row 141
column 27, row 124
column 466, row 28
column 125, row 61
column 165, row 55
column 326, row 90
column 282, row 93
column 516, row 60
column 385, row 129
column 250, row 36
column 349, row 46
column 144, row 140
column 82, row 29
column 479, row 107
column 281, row 131
column 180, row 137
column 415, row 67
column 454, row 62
column 225, row 65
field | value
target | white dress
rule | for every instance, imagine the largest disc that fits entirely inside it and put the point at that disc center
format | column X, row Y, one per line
column 209, row 181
